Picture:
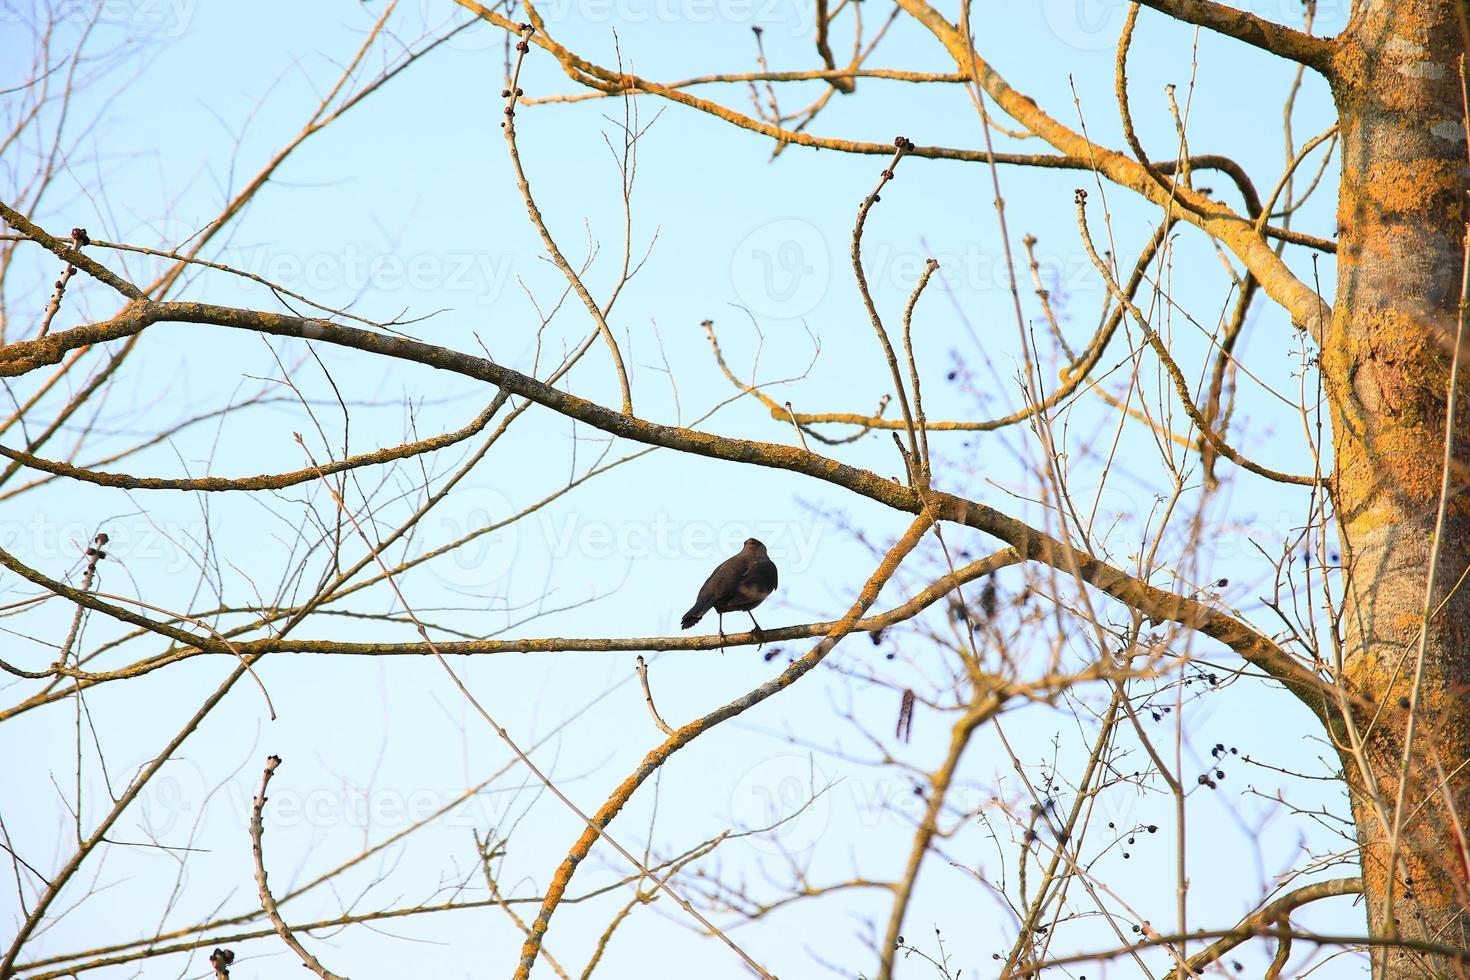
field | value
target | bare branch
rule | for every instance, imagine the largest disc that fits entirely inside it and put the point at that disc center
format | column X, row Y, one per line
column 642, row 668
column 267, row 902
column 1314, row 52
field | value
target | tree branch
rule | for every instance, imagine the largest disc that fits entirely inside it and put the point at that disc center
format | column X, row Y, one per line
column 683, row 736
column 1308, row 310
column 267, row 901
column 1314, row 52
column 1026, row 540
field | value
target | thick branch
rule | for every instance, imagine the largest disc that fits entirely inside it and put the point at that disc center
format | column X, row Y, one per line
column 683, row 736
column 189, row 644
column 68, row 252
column 1314, row 52
column 265, row 481
column 1079, row 153
column 1307, row 309
column 1026, row 540
column 1275, row 914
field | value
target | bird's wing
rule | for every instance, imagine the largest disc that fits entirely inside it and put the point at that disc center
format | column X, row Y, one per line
column 721, row 582
column 761, row 574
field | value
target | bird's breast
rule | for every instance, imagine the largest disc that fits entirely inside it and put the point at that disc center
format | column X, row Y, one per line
column 754, row 590
column 746, row 596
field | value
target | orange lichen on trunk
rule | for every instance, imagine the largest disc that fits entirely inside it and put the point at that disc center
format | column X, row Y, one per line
column 1387, row 367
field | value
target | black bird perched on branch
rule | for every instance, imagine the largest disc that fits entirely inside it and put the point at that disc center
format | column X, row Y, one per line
column 739, row 584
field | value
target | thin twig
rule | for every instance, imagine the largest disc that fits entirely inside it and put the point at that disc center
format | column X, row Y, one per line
column 642, row 669
column 78, row 239
column 801, row 436
column 512, row 93
column 1181, row 386
column 533, row 939
column 267, row 902
column 902, row 145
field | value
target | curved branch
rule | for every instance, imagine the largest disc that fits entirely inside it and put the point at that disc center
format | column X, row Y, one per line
column 891, row 74
column 1028, row 542
column 1076, row 152
column 267, row 901
column 1181, row 386
column 552, row 249
column 1223, row 358
column 1459, row 954
column 1125, row 111
column 656, row 758
column 265, row 481
column 1308, row 310
column 1275, row 914
column 901, row 146
column 68, row 253
column 824, row 49
column 1314, row 52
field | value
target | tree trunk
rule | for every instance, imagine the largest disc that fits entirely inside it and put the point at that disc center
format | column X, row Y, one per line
column 1386, row 362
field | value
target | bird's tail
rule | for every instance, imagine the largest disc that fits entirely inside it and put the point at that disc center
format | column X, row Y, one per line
column 695, row 614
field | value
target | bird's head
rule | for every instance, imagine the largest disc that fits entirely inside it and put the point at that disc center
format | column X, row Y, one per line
column 754, row 546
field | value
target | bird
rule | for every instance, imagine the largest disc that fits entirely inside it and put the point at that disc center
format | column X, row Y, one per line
column 739, row 584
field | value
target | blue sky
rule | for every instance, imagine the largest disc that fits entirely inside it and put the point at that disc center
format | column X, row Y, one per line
column 406, row 207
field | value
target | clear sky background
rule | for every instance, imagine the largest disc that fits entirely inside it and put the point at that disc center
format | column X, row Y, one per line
column 406, row 207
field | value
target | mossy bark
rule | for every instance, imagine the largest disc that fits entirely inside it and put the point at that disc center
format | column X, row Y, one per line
column 1386, row 361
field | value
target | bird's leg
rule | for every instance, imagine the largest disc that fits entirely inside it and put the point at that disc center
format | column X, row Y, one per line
column 759, row 642
column 722, row 630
